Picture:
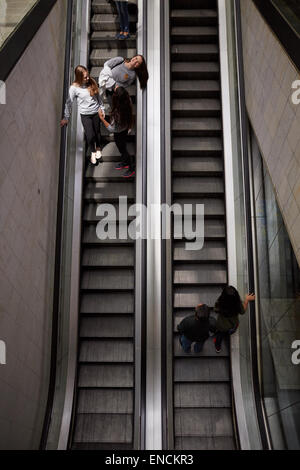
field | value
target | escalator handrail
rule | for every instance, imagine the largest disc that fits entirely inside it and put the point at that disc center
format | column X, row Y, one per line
column 59, row 238
column 281, row 27
column 249, row 237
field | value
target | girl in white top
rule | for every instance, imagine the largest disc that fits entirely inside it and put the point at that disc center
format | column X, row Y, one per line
column 86, row 92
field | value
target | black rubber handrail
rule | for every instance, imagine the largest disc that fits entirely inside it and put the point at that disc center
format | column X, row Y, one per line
column 249, row 238
column 13, row 48
column 281, row 27
column 144, row 248
column 59, row 240
column 164, row 197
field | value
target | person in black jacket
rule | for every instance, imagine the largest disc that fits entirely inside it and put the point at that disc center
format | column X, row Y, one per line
column 195, row 329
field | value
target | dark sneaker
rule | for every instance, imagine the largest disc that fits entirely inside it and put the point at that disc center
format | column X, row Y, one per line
column 121, row 166
column 217, row 346
column 129, row 173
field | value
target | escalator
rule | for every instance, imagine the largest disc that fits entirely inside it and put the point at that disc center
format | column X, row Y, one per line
column 202, row 396
column 105, row 393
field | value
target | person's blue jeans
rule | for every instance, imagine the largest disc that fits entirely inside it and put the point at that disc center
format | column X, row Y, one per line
column 186, row 345
column 123, row 15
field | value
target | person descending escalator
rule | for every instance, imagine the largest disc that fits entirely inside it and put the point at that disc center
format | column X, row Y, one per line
column 122, row 7
column 86, row 92
column 122, row 72
column 195, row 329
column 228, row 307
column 121, row 121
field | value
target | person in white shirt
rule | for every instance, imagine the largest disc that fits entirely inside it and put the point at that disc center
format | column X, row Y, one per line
column 86, row 93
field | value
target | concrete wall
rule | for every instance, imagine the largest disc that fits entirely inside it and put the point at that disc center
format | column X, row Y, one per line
column 269, row 74
column 29, row 149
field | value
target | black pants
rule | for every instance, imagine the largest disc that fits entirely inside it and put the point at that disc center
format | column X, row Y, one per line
column 121, row 143
column 220, row 335
column 91, row 124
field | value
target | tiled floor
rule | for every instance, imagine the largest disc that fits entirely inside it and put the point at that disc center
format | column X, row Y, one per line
column 11, row 14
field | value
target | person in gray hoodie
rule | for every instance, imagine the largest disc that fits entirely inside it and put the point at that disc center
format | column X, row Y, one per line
column 86, row 93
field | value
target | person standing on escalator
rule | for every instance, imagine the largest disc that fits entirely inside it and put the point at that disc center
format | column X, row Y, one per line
column 121, row 121
column 122, row 72
column 86, row 93
column 228, row 307
column 195, row 329
column 122, row 7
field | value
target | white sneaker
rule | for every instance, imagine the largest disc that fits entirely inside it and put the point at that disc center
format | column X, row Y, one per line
column 93, row 158
column 99, row 155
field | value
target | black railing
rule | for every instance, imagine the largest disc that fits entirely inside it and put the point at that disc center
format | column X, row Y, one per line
column 249, row 238
column 281, row 26
column 17, row 42
column 59, row 229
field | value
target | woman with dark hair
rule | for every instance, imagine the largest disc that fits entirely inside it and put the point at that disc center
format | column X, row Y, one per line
column 121, row 121
column 229, row 306
column 122, row 72
column 86, row 92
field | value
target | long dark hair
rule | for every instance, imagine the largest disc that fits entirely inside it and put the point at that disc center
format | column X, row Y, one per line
column 202, row 314
column 79, row 80
column 141, row 72
column 121, row 112
column 229, row 303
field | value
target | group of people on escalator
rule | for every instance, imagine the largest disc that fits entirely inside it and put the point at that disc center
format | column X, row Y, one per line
column 117, row 75
column 221, row 321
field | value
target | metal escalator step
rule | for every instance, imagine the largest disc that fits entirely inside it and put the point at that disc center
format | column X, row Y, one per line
column 116, row 256
column 208, row 349
column 99, row 56
column 106, row 376
column 204, row 166
column 107, row 327
column 213, row 251
column 202, row 369
column 194, row 4
column 207, row 395
column 194, row 34
column 196, row 126
column 190, row 229
column 105, row 303
column 188, row 297
column 195, row 71
column 107, row 39
column 102, row 6
column 197, row 52
column 195, row 89
column 204, row 274
column 106, row 351
column 213, row 207
column 108, row 279
column 92, row 237
column 203, row 423
column 109, row 22
column 110, row 428
column 196, row 108
column 193, row 146
column 104, row 172
column 194, row 186
column 204, row 443
column 105, row 401
column 91, row 209
column 109, row 191
column 110, row 152
column 194, row 17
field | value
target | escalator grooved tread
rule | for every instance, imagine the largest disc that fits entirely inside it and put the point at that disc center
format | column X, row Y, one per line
column 104, row 410
column 202, row 382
